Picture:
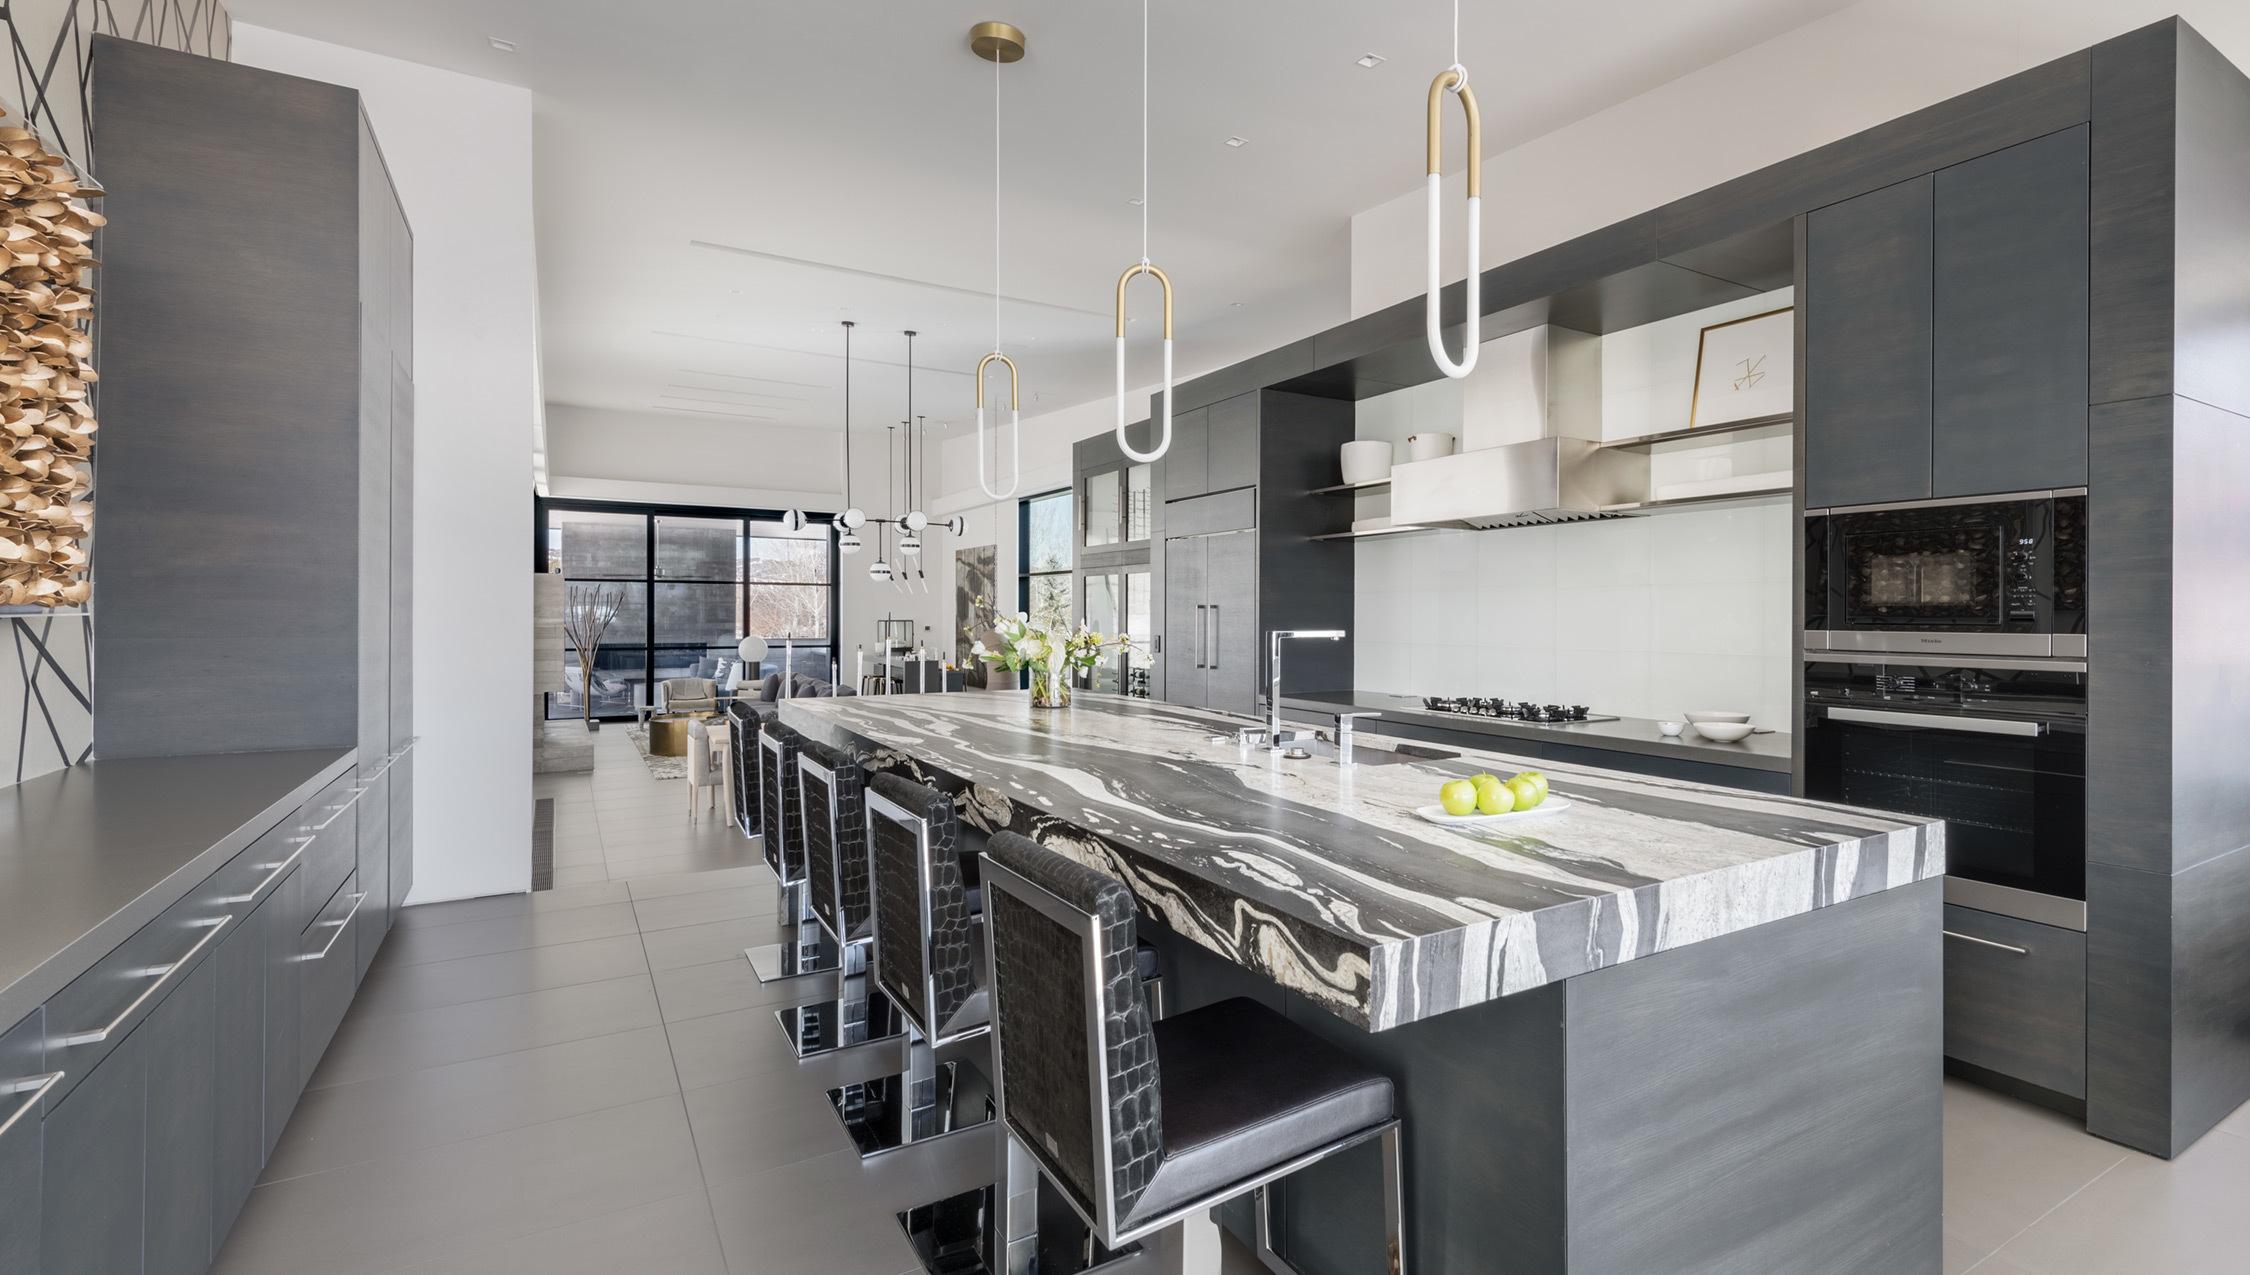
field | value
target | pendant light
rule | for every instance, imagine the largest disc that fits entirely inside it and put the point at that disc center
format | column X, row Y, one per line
column 881, row 569
column 853, row 517
column 1144, row 266
column 997, row 42
column 1455, row 80
column 911, row 522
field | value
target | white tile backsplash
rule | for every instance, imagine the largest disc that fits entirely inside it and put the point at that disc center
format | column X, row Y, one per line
column 1641, row 617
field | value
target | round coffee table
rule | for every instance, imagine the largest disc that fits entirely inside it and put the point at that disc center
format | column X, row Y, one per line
column 667, row 733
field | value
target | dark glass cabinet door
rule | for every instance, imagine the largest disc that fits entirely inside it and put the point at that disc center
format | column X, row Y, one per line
column 1868, row 337
column 2011, row 294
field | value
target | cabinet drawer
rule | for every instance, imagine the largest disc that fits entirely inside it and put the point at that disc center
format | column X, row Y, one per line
column 249, row 877
column 87, row 1019
column 327, row 961
column 334, row 849
column 24, row 1084
column 1221, row 511
column 2015, row 998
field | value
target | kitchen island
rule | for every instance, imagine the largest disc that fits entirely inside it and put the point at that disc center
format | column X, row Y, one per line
column 1673, row 1028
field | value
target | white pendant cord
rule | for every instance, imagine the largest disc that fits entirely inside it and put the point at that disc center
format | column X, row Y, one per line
column 1015, row 412
column 1144, row 266
column 1454, row 79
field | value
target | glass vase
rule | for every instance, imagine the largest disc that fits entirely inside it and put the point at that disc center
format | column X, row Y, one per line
column 1049, row 689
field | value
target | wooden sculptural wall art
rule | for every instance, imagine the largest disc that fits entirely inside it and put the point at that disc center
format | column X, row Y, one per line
column 46, row 417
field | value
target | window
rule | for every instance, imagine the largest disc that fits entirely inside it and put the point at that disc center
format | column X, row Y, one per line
column 1043, row 589
column 712, row 576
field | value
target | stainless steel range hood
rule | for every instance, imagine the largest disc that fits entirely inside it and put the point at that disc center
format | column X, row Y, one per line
column 1531, row 424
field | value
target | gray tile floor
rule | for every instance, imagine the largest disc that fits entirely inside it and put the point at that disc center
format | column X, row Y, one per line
column 589, row 1079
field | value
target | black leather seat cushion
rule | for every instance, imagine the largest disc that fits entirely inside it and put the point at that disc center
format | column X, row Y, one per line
column 1244, row 1089
column 1144, row 957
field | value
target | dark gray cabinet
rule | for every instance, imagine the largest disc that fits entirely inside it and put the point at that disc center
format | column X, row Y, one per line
column 2015, row 998
column 1868, row 323
column 2009, row 391
column 1233, row 441
column 374, row 873
column 1187, row 622
column 283, row 914
column 1211, row 601
column 22, row 1102
column 92, row 1164
column 327, row 956
column 182, row 1085
column 1187, row 462
column 238, row 1106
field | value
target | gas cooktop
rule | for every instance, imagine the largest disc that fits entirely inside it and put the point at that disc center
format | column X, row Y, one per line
column 1528, row 713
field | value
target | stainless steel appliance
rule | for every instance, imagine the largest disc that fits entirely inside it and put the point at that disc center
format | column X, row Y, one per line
column 1998, row 753
column 1525, row 712
column 1997, row 576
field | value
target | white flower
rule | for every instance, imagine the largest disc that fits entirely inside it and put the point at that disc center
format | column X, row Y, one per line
column 977, row 649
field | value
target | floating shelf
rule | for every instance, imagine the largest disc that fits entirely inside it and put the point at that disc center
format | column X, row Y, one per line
column 1707, row 431
column 1374, row 531
column 1714, row 501
column 1351, row 489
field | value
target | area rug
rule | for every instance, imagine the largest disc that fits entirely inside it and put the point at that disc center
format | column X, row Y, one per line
column 660, row 766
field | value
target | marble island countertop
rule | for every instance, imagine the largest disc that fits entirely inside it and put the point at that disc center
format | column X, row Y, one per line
column 1325, row 880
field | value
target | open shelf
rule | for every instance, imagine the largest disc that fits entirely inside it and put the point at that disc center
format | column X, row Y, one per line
column 1352, row 489
column 1374, row 531
column 1705, row 431
column 1717, row 500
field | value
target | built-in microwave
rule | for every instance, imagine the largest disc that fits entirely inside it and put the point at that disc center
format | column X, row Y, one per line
column 1991, row 576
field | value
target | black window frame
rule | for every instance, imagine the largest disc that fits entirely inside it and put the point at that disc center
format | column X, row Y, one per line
column 543, row 506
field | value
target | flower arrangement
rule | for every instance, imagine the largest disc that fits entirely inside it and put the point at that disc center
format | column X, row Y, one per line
column 1048, row 653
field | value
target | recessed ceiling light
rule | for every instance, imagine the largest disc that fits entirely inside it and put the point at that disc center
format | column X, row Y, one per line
column 505, row 46
column 1234, row 305
column 1238, row 141
column 1370, row 60
column 1135, row 201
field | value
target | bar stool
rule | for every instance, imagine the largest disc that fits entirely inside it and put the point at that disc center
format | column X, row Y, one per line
column 1168, row 1118
column 832, row 797
column 927, row 959
column 807, row 950
column 743, row 721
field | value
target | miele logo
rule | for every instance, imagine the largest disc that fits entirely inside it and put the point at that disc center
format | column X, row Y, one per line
column 1933, row 641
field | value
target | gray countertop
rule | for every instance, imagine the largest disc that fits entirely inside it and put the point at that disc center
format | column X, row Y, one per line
column 90, row 854
column 1625, row 735
column 1325, row 880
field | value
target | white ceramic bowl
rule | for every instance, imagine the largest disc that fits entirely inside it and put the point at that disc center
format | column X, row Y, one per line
column 1723, row 732
column 1367, row 460
column 1669, row 728
column 1703, row 715
column 1428, row 446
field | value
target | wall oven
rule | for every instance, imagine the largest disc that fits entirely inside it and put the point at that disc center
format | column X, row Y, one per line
column 1998, row 753
column 1994, row 576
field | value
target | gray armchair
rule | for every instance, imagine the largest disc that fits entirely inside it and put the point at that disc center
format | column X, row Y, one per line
column 687, row 695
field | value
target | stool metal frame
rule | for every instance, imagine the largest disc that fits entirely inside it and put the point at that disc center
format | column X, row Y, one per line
column 808, row 951
column 832, row 800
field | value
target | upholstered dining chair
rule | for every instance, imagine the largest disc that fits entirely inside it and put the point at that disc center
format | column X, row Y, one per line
column 1145, row 1124
column 705, row 770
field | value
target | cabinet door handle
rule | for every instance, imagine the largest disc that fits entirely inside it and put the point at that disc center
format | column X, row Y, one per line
column 34, row 1086
column 341, row 926
column 1200, row 630
column 338, row 812
column 164, row 975
column 275, row 875
column 1971, row 938
column 1215, row 635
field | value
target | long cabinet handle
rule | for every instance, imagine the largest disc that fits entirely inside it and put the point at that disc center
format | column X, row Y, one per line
column 35, row 1086
column 1937, row 721
column 164, row 975
column 1201, row 628
column 338, row 812
column 1971, row 938
column 341, row 926
column 1215, row 634
column 278, row 870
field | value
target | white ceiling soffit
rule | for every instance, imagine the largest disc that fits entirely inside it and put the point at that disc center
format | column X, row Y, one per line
column 720, row 182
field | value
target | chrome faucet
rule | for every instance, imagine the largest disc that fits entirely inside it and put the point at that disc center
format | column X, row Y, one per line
column 1275, row 740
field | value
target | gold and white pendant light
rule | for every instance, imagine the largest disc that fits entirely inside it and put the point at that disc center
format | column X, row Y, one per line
column 1144, row 266
column 1455, row 80
column 997, row 42
column 853, row 517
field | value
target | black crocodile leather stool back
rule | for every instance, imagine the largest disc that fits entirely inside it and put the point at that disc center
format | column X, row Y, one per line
column 921, row 909
column 743, row 720
column 835, row 812
column 783, row 823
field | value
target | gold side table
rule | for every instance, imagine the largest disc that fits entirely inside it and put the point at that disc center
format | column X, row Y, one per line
column 667, row 733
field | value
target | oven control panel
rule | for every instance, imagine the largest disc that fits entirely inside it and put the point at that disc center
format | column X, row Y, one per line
column 2023, row 579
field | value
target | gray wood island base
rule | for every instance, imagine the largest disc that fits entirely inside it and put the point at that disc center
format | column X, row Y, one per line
column 1675, row 1028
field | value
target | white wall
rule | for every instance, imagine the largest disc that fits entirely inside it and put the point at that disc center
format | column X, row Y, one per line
column 791, row 466
column 459, row 151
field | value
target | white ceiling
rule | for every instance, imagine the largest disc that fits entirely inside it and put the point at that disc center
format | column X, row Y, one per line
column 719, row 183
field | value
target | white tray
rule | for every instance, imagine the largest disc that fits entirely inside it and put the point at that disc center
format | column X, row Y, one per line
column 1551, row 806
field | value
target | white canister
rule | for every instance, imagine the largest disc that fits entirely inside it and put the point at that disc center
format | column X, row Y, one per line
column 1428, row 446
column 1367, row 461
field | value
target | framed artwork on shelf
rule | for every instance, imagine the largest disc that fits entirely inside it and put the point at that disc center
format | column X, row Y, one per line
column 1745, row 369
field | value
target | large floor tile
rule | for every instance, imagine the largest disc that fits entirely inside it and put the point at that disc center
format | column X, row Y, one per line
column 748, row 1126
column 2008, row 1162
column 407, row 1111
column 498, row 905
column 726, row 878
column 2186, row 1216
column 830, row 1214
column 714, row 941
column 715, row 1048
column 692, row 991
column 705, row 906
column 387, row 1213
column 507, row 933
column 370, row 1046
column 395, row 988
column 674, row 1236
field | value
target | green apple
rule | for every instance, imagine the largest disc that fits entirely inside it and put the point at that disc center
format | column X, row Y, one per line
column 1495, row 798
column 1527, row 792
column 1483, row 779
column 1458, row 797
column 1535, row 777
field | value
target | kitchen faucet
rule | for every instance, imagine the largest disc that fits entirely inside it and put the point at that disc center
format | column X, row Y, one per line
column 1274, row 738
